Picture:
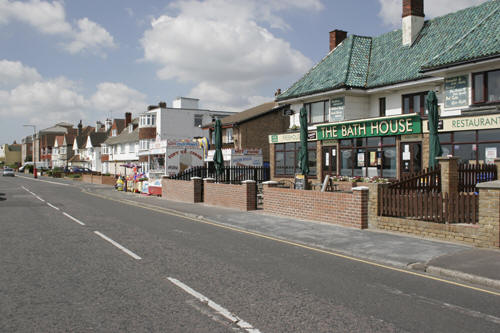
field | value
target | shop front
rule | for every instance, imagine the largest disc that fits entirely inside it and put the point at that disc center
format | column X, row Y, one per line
column 371, row 147
column 474, row 139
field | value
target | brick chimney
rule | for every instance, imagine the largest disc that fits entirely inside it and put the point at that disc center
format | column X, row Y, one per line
column 80, row 126
column 336, row 37
column 413, row 20
column 128, row 118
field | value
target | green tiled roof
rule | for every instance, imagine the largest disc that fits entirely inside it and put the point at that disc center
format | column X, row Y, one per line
column 366, row 62
column 470, row 47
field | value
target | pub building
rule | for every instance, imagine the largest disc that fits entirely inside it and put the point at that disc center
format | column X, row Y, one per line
column 366, row 99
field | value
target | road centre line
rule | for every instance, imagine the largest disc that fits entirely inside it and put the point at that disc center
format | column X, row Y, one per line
column 124, row 249
column 256, row 234
column 46, row 181
column 51, row 205
column 219, row 309
column 72, row 218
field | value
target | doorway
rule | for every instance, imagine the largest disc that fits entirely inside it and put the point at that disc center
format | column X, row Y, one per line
column 329, row 161
column 411, row 158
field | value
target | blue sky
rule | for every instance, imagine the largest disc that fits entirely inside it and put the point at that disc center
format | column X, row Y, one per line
column 71, row 60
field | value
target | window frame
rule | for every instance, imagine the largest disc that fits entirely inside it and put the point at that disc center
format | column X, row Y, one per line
column 484, row 99
column 382, row 107
column 281, row 147
column 326, row 111
column 411, row 97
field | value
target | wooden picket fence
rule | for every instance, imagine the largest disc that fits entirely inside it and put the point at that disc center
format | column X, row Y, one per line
column 429, row 206
column 427, row 180
column 469, row 175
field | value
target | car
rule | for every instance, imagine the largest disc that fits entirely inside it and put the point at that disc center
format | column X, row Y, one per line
column 8, row 172
column 80, row 170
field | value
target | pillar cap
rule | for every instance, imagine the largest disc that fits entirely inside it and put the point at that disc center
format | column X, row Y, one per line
column 195, row 178
column 447, row 158
column 270, row 182
column 209, row 179
column 361, row 188
column 248, row 181
column 489, row 185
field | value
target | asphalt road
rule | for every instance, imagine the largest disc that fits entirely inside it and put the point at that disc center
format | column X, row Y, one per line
column 72, row 262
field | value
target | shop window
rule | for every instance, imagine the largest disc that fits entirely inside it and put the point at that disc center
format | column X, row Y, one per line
column 381, row 107
column 317, row 112
column 229, row 135
column 368, row 157
column 415, row 103
column 475, row 147
column 286, row 159
column 486, row 87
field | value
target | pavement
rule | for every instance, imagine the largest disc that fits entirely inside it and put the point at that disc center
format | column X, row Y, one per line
column 451, row 260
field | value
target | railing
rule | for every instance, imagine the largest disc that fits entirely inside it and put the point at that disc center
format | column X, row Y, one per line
column 427, row 180
column 232, row 175
column 429, row 206
column 469, row 175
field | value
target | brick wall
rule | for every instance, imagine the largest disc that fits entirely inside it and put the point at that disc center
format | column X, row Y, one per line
column 181, row 190
column 242, row 197
column 94, row 179
column 483, row 234
column 348, row 209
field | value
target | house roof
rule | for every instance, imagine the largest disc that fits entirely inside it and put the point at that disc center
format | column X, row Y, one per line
column 54, row 129
column 246, row 115
column 81, row 139
column 98, row 137
column 367, row 62
column 125, row 136
column 60, row 140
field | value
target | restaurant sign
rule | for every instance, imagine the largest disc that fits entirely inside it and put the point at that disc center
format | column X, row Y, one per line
column 291, row 137
column 467, row 123
column 399, row 125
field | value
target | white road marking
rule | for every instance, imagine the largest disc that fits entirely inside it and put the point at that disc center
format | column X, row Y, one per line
column 46, row 181
column 36, row 196
column 51, row 205
column 221, row 310
column 72, row 218
column 127, row 251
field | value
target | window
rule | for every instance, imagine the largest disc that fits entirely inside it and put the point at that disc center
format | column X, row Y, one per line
column 475, row 147
column 144, row 144
column 229, row 135
column 113, row 132
column 130, row 128
column 368, row 157
column 147, row 120
column 486, row 87
column 381, row 107
column 415, row 103
column 286, row 159
column 198, row 120
column 317, row 112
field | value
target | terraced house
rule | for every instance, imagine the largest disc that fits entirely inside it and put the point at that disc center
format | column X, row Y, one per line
column 365, row 99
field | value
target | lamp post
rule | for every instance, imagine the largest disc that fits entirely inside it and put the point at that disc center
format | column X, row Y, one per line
column 33, row 152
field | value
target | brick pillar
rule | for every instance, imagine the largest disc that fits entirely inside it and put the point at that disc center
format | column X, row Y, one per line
column 489, row 214
column 497, row 163
column 373, row 198
column 361, row 196
column 197, row 188
column 251, row 193
column 449, row 174
column 206, row 181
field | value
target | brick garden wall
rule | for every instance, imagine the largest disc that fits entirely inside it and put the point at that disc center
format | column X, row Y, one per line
column 105, row 180
column 483, row 234
column 242, row 197
column 181, row 190
column 348, row 209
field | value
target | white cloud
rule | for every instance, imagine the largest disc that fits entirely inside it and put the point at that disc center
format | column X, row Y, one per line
column 91, row 36
column 222, row 47
column 13, row 73
column 391, row 10
column 118, row 96
column 43, row 102
column 50, row 18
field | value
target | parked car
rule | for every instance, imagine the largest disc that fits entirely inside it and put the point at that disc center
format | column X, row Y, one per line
column 8, row 172
column 80, row 170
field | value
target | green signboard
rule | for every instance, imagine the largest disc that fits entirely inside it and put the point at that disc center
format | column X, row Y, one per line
column 410, row 124
column 456, row 91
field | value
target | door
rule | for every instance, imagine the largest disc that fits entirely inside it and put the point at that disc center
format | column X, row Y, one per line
column 411, row 158
column 329, row 161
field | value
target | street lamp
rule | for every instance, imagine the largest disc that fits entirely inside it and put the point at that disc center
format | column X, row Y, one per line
column 33, row 152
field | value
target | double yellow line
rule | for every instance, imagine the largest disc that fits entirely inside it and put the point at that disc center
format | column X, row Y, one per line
column 219, row 225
